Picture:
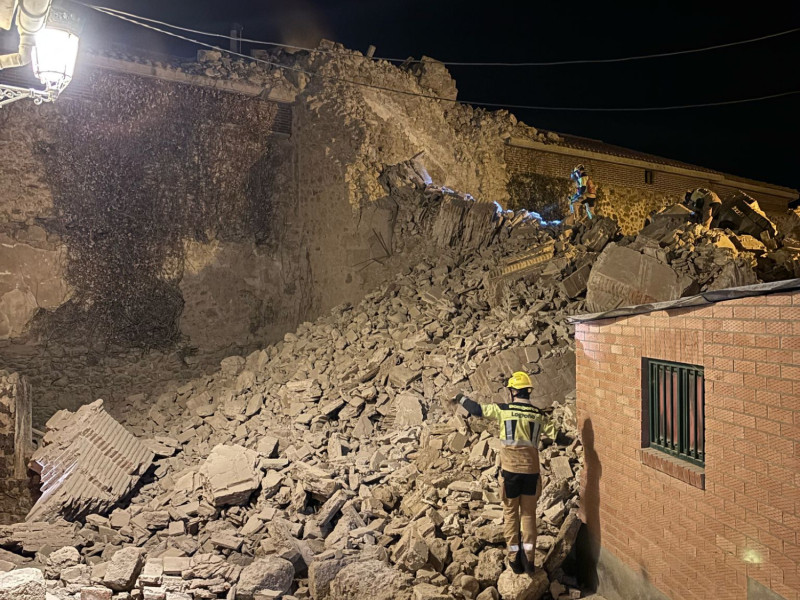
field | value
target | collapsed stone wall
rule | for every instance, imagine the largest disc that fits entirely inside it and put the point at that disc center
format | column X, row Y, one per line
column 172, row 219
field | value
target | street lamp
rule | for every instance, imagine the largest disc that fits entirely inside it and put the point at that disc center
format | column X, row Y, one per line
column 48, row 40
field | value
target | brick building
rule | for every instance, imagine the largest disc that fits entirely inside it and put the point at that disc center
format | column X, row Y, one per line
column 630, row 184
column 690, row 417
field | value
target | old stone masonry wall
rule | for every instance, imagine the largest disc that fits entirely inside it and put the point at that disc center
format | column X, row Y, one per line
column 147, row 215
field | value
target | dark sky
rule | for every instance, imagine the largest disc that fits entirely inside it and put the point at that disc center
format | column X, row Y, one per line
column 758, row 140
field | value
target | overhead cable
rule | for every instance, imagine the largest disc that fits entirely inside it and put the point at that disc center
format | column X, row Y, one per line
column 431, row 96
column 450, row 63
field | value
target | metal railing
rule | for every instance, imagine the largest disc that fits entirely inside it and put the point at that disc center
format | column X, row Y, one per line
column 676, row 402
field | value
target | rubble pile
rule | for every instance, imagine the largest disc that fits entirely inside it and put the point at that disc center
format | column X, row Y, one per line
column 332, row 465
column 332, row 460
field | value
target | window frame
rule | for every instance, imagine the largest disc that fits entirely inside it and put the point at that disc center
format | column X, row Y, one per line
column 677, row 441
column 649, row 176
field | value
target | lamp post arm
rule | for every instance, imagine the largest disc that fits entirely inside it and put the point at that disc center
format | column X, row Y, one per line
column 10, row 93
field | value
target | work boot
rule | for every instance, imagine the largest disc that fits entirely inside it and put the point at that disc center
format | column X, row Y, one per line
column 515, row 562
column 528, row 565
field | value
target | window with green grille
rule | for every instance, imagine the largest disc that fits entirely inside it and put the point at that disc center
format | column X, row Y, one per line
column 675, row 409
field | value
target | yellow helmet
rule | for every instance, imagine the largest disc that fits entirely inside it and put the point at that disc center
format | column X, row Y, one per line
column 520, row 381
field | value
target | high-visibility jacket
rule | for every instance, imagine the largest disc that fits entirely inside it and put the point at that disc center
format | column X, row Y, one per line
column 521, row 424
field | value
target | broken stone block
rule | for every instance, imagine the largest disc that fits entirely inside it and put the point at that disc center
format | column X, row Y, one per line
column 408, row 411
column 230, row 474
column 456, row 441
column 123, row 569
column 61, row 559
column 33, row 536
column 467, row 586
column 225, row 540
column 152, row 571
column 401, row 376
column 315, row 480
column 735, row 273
column 79, row 574
column 331, row 508
column 623, row 277
column 556, row 589
column 560, row 467
column 490, row 566
column 372, row 579
column 322, row 572
column 232, row 365
column 95, row 593
column 87, row 463
column 267, row 446
column 22, row 584
column 363, row 428
column 411, row 552
column 522, row 587
column 564, row 542
column 574, row 285
column 438, row 553
column 265, row 574
column 426, row 591
column 175, row 565
column 490, row 593
column 491, row 533
column 555, row 514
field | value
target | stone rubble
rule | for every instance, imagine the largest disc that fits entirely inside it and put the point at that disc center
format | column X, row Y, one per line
column 332, row 464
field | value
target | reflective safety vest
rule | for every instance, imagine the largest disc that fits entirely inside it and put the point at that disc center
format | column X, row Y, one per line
column 520, row 427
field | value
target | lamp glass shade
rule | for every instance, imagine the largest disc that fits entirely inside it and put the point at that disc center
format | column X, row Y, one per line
column 54, row 57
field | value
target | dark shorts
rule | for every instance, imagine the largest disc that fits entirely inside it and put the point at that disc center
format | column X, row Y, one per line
column 520, row 484
column 589, row 202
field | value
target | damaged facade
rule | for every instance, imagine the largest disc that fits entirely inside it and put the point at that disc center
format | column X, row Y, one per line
column 351, row 290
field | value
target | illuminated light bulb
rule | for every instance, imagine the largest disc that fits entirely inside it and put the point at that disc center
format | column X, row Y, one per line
column 54, row 57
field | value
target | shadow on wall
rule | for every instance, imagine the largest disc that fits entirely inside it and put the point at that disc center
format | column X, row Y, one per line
column 137, row 170
column 589, row 537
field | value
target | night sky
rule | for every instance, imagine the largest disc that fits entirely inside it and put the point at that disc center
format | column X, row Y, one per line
column 757, row 140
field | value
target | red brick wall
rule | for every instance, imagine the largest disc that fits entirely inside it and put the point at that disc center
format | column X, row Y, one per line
column 609, row 174
column 695, row 543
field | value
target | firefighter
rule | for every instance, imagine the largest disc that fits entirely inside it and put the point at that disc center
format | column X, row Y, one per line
column 705, row 204
column 586, row 192
column 520, row 487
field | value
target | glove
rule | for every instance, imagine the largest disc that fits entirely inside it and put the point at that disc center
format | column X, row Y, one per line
column 458, row 398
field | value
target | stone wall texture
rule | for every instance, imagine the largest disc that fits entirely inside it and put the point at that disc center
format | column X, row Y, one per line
column 154, row 225
column 689, row 542
column 624, row 191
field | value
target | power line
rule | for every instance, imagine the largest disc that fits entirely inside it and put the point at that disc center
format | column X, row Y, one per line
column 452, row 63
column 431, row 96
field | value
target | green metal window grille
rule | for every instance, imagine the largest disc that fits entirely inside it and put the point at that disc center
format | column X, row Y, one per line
column 676, row 403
